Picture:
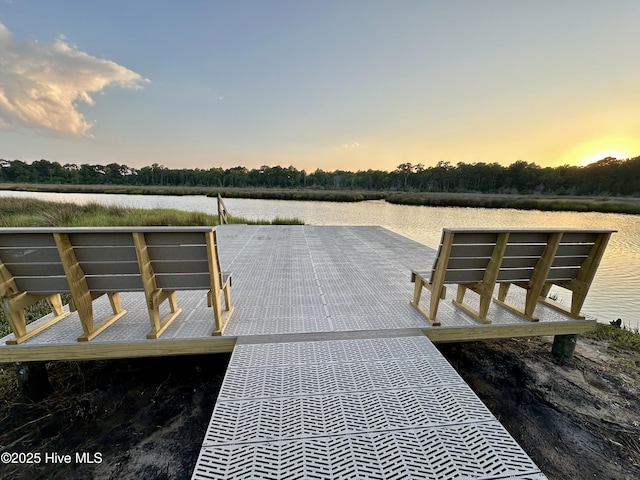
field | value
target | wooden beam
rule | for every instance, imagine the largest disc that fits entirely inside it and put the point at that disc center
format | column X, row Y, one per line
column 537, row 284
column 436, row 284
column 215, row 273
column 588, row 271
column 110, row 350
column 486, row 332
column 541, row 273
column 154, row 296
column 77, row 282
column 18, row 322
column 485, row 288
column 82, row 296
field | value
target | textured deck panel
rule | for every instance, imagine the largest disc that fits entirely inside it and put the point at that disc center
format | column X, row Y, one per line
column 365, row 408
column 296, row 279
column 359, row 274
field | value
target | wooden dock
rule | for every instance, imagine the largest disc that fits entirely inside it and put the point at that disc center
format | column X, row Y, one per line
column 291, row 280
column 333, row 373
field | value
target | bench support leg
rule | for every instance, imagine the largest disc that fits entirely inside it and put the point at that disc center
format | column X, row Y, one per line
column 503, row 289
column 219, row 284
column 92, row 330
column 159, row 325
column 221, row 317
column 430, row 315
column 485, row 301
column 14, row 309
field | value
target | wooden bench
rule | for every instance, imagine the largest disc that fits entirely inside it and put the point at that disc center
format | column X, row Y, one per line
column 42, row 263
column 532, row 259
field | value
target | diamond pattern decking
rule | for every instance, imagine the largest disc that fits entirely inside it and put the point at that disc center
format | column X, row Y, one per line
column 364, row 408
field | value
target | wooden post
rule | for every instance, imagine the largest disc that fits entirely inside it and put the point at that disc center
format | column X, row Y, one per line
column 223, row 213
column 564, row 345
column 33, row 380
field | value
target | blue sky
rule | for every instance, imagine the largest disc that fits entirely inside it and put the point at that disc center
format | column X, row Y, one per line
column 319, row 84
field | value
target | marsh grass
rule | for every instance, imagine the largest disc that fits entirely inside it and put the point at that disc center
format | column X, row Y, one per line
column 602, row 204
column 27, row 212
column 520, row 202
column 624, row 337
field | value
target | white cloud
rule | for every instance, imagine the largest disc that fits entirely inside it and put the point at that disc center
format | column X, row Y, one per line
column 350, row 146
column 41, row 84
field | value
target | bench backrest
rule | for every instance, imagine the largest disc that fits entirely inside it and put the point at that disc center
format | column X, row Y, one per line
column 515, row 252
column 108, row 258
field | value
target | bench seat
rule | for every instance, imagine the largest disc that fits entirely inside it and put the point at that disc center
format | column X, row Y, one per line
column 86, row 263
column 536, row 259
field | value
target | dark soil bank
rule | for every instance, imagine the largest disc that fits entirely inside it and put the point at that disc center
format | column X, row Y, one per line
column 577, row 419
column 146, row 418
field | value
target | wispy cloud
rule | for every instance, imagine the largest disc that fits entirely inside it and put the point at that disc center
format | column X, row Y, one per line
column 349, row 146
column 41, row 84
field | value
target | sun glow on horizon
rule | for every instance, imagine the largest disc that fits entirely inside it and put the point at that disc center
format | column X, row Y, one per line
column 589, row 152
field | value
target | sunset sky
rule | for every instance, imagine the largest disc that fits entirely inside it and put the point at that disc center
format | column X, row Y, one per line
column 319, row 84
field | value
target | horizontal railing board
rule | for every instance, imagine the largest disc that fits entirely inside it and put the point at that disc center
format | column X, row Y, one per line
column 114, row 283
column 573, row 250
column 569, row 261
column 29, row 255
column 35, row 269
column 515, row 275
column 92, row 230
column 191, row 281
column 180, row 238
column 529, row 230
column 470, row 263
column 463, row 276
column 110, row 268
column 112, row 239
column 48, row 285
column 518, row 250
column 567, row 273
column 533, row 237
column 180, row 266
column 106, row 254
column 191, row 252
column 26, row 240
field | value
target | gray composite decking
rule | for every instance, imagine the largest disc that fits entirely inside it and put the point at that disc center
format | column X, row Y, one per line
column 291, row 280
column 375, row 408
column 331, row 374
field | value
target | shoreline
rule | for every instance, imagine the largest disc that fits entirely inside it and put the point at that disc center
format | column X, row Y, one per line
column 623, row 205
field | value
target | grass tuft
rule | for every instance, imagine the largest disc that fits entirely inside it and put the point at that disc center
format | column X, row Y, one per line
column 624, row 337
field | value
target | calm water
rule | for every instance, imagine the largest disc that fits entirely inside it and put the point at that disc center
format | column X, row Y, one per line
column 614, row 293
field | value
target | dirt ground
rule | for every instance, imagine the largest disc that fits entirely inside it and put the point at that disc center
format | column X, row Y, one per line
column 146, row 418
column 577, row 418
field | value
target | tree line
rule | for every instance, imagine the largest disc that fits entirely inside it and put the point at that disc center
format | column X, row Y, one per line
column 607, row 177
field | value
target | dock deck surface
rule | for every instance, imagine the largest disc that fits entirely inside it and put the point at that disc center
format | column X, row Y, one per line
column 376, row 408
column 291, row 280
column 331, row 374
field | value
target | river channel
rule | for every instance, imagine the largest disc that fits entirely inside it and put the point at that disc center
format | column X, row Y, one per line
column 614, row 292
